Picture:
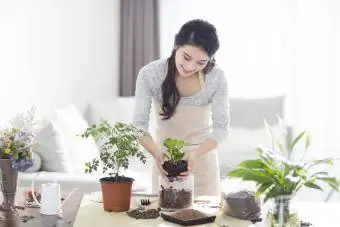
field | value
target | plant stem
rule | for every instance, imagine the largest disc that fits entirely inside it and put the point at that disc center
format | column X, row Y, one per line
column 281, row 210
column 116, row 177
column 304, row 155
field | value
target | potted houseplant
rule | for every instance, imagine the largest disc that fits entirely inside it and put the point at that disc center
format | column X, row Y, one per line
column 175, row 192
column 174, row 164
column 278, row 178
column 120, row 141
column 17, row 143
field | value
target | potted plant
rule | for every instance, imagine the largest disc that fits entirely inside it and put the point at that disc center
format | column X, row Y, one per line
column 278, row 178
column 119, row 142
column 174, row 164
column 175, row 192
column 17, row 143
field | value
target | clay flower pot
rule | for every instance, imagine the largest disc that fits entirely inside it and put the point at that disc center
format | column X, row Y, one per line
column 116, row 193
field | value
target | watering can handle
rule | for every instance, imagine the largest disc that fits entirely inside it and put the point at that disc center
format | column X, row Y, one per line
column 33, row 189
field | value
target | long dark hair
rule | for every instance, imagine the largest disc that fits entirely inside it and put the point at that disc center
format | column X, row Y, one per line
column 197, row 33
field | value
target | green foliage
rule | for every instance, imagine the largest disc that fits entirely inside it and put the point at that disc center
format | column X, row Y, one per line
column 119, row 143
column 174, row 149
column 275, row 175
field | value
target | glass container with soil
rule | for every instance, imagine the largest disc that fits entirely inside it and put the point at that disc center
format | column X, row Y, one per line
column 176, row 193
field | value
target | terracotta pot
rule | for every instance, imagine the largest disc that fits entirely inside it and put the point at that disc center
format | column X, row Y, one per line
column 9, row 180
column 116, row 194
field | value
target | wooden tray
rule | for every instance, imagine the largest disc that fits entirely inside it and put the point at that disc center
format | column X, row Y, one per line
column 198, row 221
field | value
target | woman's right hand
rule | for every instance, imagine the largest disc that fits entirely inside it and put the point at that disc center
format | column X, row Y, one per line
column 159, row 162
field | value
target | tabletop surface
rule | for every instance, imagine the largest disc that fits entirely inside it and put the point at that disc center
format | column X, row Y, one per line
column 91, row 213
column 69, row 210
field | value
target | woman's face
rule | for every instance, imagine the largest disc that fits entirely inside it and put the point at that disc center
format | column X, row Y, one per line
column 190, row 60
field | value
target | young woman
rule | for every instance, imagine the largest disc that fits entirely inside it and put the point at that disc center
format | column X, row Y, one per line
column 191, row 100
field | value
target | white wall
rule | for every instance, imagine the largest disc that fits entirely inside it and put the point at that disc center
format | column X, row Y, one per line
column 57, row 52
column 255, row 40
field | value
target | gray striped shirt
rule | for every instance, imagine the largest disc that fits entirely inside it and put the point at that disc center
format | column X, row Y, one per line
column 149, row 86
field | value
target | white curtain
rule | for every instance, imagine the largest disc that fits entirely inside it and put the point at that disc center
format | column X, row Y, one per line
column 315, row 93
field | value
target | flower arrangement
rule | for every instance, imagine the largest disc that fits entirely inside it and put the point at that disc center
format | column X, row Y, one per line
column 17, row 140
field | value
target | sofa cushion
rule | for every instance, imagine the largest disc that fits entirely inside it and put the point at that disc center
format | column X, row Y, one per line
column 247, row 131
column 114, row 110
column 53, row 149
column 119, row 109
column 73, row 124
column 250, row 112
column 241, row 144
column 36, row 163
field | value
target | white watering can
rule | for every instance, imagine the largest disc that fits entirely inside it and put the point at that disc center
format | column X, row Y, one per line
column 50, row 201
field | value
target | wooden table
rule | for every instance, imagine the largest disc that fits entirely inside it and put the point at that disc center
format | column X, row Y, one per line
column 70, row 210
column 91, row 213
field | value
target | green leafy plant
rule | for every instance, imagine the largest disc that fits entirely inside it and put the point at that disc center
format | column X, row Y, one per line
column 119, row 143
column 276, row 175
column 174, row 150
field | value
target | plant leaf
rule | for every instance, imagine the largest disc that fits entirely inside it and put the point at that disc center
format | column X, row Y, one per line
column 329, row 161
column 251, row 164
column 269, row 130
column 250, row 175
column 279, row 145
column 295, row 141
column 262, row 188
column 311, row 184
column 331, row 181
column 318, row 174
column 275, row 191
column 282, row 125
column 307, row 141
column 264, row 156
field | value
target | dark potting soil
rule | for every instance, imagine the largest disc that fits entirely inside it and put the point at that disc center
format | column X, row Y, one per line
column 120, row 179
column 242, row 205
column 170, row 198
column 188, row 214
column 144, row 214
column 26, row 218
column 305, row 224
column 175, row 169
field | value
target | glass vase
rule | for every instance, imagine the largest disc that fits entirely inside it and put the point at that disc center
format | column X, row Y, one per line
column 175, row 193
column 282, row 212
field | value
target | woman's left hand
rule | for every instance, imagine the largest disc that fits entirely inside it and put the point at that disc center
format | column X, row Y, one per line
column 190, row 159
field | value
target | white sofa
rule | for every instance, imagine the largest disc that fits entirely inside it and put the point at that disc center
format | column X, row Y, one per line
column 63, row 153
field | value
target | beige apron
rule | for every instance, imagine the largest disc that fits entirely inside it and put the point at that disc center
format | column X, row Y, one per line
column 193, row 125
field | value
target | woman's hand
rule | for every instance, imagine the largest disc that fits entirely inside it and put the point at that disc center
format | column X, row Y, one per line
column 190, row 159
column 159, row 162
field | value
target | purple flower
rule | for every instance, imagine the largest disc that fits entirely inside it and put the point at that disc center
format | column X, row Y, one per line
column 22, row 164
column 24, row 137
